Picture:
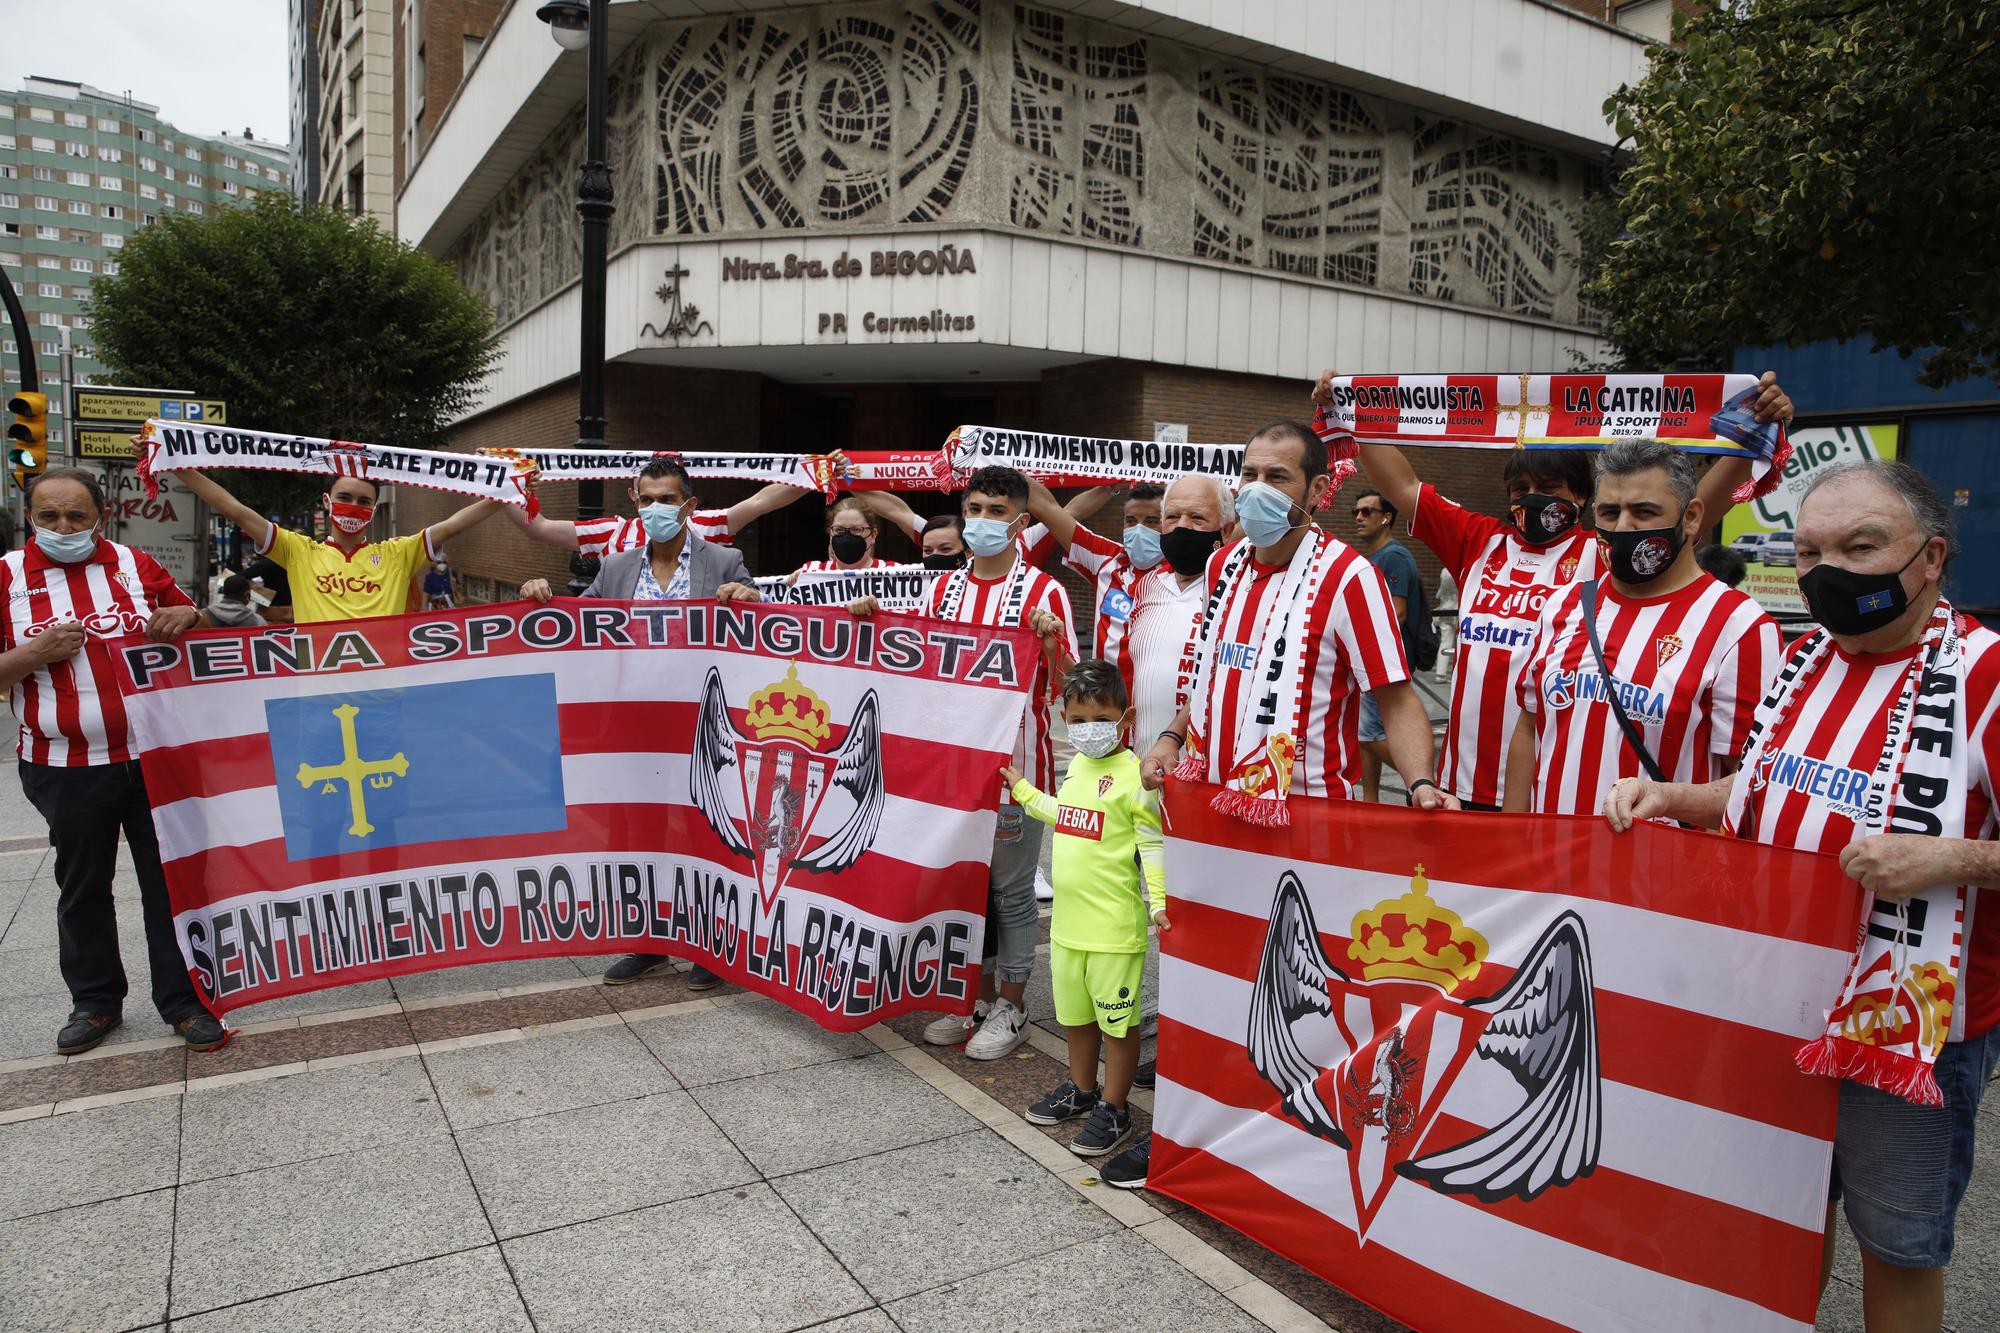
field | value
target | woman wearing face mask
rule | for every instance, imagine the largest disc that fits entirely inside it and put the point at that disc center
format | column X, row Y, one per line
column 347, row 576
column 944, row 542
column 1506, row 573
column 851, row 530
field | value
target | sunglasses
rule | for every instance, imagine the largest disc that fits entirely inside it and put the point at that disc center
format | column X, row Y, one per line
column 1367, row 513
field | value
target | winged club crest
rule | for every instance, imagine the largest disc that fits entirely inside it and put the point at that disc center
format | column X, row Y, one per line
column 1367, row 1063
column 790, row 804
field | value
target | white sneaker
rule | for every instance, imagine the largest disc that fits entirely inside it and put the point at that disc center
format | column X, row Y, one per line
column 955, row 1028
column 1004, row 1029
column 1045, row 892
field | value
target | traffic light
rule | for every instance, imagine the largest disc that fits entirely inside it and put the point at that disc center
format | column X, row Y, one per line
column 28, row 437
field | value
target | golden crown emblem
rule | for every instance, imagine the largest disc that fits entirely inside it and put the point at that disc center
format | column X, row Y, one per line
column 788, row 710
column 1414, row 938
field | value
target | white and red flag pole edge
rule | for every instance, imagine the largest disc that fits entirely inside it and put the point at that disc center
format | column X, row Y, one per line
column 1701, row 413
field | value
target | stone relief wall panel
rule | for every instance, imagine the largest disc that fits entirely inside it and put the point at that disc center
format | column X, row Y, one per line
column 977, row 113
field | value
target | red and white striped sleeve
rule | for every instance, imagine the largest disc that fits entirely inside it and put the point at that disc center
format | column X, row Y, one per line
column 158, row 585
column 1091, row 551
column 1364, row 620
column 1742, row 674
column 599, row 537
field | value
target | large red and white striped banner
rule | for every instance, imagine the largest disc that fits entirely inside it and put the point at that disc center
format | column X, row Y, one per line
column 802, row 801
column 1504, row 1072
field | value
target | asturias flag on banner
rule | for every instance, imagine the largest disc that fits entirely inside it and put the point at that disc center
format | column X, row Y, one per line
column 1516, row 1075
column 798, row 799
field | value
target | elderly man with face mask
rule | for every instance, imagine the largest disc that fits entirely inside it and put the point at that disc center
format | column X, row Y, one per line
column 1653, row 669
column 1878, row 741
column 64, row 599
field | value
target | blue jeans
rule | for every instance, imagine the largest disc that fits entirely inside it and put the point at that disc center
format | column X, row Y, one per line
column 1371, row 720
column 1902, row 1169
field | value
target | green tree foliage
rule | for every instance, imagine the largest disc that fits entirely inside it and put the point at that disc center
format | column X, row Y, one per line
column 1808, row 169
column 305, row 319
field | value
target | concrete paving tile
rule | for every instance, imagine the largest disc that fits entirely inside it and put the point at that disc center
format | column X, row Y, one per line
column 130, row 1243
column 908, row 1220
column 249, row 1126
column 331, row 1000
column 1306, row 1289
column 64, row 1160
column 29, row 1023
column 1044, row 1292
column 555, row 1170
column 468, row 1293
column 242, row 1237
column 464, row 1020
column 741, row 1040
column 320, row 1041
column 802, row 1118
column 733, row 1260
column 29, row 971
column 484, row 977
column 867, row 1321
column 483, row 1085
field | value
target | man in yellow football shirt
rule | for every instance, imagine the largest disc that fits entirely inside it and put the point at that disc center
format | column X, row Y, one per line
column 346, row 576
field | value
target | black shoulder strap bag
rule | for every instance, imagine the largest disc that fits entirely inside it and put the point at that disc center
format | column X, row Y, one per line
column 1633, row 737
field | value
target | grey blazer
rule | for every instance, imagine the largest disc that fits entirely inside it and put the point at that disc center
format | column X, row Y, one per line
column 709, row 567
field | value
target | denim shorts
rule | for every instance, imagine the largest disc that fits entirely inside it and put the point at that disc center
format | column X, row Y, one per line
column 1901, row 1169
column 1371, row 720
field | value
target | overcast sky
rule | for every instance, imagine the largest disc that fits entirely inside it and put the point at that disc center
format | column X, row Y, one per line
column 211, row 66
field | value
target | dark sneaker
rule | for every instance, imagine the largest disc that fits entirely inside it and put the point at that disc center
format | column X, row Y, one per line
column 83, row 1031
column 203, row 1032
column 700, row 978
column 1142, row 1077
column 1108, row 1128
column 633, row 966
column 1065, row 1103
column 1127, row 1171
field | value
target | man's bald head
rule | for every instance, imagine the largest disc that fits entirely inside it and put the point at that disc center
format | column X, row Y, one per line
column 1198, row 500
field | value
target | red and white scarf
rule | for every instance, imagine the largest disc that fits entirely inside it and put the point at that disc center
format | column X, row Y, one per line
column 1709, row 414
column 1256, row 778
column 1895, row 1011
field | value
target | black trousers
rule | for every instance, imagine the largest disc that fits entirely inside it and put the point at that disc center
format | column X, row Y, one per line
column 86, row 807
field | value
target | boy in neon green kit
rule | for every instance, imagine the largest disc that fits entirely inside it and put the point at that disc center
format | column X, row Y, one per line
column 1107, row 839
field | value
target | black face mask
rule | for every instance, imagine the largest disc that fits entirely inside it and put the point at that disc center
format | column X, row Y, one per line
column 848, row 547
column 1641, row 556
column 1187, row 549
column 1545, row 518
column 945, row 561
column 1848, row 602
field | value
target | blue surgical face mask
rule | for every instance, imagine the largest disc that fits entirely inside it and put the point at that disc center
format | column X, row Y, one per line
column 1142, row 545
column 987, row 536
column 662, row 520
column 67, row 548
column 1265, row 512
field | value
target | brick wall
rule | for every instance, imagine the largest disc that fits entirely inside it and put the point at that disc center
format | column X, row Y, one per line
column 446, row 25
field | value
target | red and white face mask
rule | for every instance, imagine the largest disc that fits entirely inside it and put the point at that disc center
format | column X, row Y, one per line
column 350, row 518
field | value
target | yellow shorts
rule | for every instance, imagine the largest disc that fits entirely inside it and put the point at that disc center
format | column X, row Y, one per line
column 1100, row 988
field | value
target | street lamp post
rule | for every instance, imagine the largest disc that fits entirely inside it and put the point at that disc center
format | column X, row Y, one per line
column 580, row 25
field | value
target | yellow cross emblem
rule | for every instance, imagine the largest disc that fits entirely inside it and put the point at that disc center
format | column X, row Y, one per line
column 353, row 770
column 1521, row 411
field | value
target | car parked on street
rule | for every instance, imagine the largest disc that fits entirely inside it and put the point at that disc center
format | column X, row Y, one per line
column 1779, row 549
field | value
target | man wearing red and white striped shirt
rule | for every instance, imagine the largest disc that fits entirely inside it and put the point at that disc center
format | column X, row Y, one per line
column 1001, row 588
column 1116, row 569
column 1888, row 714
column 1686, row 657
column 70, row 594
column 1506, row 573
column 1344, row 641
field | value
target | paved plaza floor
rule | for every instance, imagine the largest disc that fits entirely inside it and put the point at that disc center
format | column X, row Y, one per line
column 516, row 1146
